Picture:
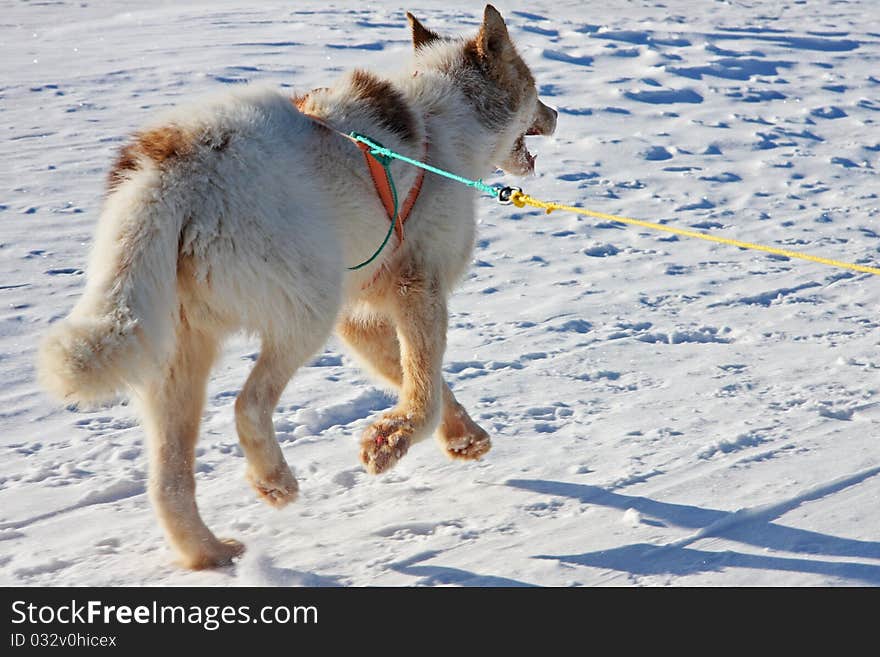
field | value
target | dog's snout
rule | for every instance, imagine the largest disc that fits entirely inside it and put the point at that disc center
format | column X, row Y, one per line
column 545, row 121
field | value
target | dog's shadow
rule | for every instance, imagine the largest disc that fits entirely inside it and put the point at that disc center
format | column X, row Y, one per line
column 443, row 575
column 753, row 527
column 262, row 570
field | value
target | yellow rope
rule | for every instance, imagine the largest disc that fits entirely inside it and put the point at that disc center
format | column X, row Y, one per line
column 520, row 200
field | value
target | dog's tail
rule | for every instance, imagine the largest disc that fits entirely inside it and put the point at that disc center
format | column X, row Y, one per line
column 121, row 331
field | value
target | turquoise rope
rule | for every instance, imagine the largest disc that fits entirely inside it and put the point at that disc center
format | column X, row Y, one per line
column 384, row 156
column 378, row 149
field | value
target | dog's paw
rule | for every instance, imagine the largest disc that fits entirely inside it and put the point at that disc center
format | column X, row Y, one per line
column 462, row 438
column 277, row 489
column 219, row 554
column 469, row 448
column 385, row 442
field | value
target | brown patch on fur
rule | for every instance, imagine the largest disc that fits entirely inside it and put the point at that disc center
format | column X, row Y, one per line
column 125, row 161
column 162, row 144
column 505, row 79
column 159, row 144
column 299, row 101
column 388, row 103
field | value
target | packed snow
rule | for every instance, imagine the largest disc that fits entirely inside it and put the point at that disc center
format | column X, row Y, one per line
column 664, row 411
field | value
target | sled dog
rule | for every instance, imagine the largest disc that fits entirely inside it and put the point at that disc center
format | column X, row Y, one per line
column 245, row 213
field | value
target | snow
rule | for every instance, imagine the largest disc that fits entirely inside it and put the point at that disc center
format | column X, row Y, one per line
column 664, row 411
column 632, row 517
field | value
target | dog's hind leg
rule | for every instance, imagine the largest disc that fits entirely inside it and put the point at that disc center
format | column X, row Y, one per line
column 267, row 471
column 172, row 409
column 374, row 340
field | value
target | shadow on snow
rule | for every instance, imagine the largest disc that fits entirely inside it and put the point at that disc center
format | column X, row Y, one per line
column 753, row 526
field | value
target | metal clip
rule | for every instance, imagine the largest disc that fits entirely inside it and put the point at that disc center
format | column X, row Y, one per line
column 505, row 194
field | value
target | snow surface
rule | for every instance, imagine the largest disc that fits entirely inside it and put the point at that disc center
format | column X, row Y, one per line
column 664, row 411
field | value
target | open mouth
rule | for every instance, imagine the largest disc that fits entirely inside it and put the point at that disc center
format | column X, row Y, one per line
column 520, row 161
column 520, row 156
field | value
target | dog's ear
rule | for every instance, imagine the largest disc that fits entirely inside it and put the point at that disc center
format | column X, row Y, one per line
column 421, row 35
column 493, row 39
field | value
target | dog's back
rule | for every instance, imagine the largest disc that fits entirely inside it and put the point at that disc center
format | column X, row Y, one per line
column 214, row 210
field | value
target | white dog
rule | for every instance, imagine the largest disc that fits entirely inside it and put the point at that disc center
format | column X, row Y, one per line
column 246, row 213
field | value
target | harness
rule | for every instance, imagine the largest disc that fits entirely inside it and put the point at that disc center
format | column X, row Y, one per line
column 382, row 182
column 380, row 174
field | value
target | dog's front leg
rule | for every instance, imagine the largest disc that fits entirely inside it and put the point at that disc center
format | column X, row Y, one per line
column 418, row 309
column 374, row 340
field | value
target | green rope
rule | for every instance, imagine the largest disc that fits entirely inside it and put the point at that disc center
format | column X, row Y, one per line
column 385, row 162
column 378, row 149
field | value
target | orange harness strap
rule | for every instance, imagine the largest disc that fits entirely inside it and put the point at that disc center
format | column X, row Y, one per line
column 383, row 189
column 379, row 176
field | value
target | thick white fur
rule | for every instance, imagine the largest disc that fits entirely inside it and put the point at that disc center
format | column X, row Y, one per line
column 257, row 236
column 273, row 224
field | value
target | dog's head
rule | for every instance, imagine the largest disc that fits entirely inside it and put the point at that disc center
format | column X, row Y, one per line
column 498, row 84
